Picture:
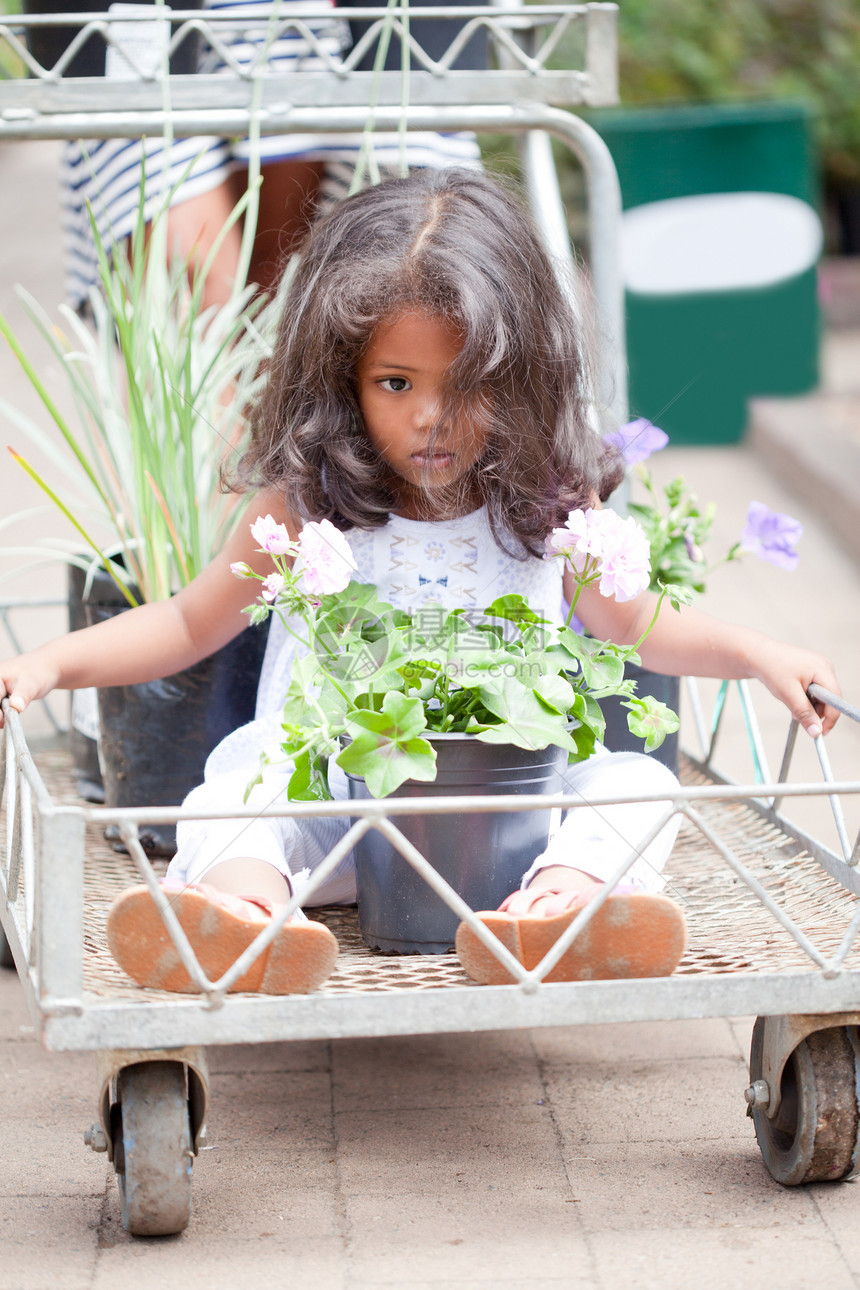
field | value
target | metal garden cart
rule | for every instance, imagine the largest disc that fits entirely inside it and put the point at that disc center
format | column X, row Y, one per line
column 773, row 913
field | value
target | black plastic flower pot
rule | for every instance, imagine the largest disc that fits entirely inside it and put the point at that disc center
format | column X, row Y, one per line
column 156, row 736
column 83, row 730
column 483, row 856
column 666, row 689
column 48, row 44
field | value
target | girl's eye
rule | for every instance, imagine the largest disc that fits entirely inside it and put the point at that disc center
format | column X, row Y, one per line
column 395, row 384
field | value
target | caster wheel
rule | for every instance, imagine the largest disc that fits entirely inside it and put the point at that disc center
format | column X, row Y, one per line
column 815, row 1134
column 151, row 1135
column 6, row 959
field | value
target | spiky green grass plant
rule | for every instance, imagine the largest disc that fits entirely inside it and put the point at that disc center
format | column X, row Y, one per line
column 160, row 388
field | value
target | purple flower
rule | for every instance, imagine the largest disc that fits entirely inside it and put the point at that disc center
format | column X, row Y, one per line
column 637, row 440
column 772, row 536
column 694, row 551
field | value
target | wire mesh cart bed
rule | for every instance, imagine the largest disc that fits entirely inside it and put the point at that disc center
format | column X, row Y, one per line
column 773, row 914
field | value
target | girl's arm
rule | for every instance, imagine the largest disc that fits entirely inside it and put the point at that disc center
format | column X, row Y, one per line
column 153, row 640
column 692, row 643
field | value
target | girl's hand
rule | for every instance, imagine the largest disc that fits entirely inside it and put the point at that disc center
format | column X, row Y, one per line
column 788, row 672
column 25, row 678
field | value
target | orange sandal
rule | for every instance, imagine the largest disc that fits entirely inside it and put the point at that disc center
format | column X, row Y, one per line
column 633, row 934
column 219, row 927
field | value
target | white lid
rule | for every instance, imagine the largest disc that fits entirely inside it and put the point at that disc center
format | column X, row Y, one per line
column 718, row 242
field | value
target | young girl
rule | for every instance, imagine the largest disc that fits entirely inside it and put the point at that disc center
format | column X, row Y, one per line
column 428, row 395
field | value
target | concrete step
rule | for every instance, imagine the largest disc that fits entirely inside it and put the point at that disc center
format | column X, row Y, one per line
column 812, row 444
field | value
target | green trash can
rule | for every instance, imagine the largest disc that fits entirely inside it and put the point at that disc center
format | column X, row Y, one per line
column 720, row 241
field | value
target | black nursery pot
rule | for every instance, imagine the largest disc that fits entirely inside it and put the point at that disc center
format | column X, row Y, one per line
column 84, row 748
column 666, row 689
column 48, row 44
column 482, row 855
column 156, row 736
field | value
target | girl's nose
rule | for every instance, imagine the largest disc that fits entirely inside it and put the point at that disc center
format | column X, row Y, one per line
column 427, row 412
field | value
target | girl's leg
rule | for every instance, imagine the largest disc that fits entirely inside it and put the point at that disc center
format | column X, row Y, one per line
column 247, row 874
column 636, row 931
column 228, row 879
column 593, row 842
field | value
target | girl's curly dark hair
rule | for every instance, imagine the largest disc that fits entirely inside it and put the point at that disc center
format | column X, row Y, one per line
column 455, row 243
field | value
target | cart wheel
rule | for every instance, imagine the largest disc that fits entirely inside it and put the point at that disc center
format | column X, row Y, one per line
column 815, row 1134
column 152, row 1148
column 6, row 959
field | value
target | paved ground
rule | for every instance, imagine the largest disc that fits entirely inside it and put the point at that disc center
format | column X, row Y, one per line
column 600, row 1156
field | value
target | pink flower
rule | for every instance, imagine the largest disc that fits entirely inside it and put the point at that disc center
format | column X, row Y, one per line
column 240, row 569
column 577, row 540
column 625, row 568
column 619, row 547
column 273, row 586
column 272, row 537
column 326, row 558
column 560, row 542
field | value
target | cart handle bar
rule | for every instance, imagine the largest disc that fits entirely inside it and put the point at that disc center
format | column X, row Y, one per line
column 834, row 700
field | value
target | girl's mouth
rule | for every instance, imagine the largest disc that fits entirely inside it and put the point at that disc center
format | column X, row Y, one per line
column 433, row 460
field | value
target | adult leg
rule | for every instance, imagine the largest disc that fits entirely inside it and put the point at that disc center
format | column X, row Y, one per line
column 286, row 206
column 288, row 200
column 193, row 227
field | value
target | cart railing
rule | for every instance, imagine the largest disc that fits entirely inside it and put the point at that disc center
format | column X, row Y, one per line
column 522, row 41
column 42, row 881
column 768, row 802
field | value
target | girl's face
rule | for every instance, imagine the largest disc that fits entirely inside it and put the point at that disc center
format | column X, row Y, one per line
column 400, row 381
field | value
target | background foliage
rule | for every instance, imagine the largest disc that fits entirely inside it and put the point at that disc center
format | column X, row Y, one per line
column 694, row 51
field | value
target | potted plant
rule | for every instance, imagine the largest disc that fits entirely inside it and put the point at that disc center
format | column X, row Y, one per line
column 160, row 386
column 678, row 528
column 447, row 701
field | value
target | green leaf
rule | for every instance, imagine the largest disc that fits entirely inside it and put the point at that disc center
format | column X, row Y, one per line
column 651, row 720
column 385, row 763
column 108, row 564
column 603, row 668
column 401, row 716
column 594, row 717
column 309, row 780
column 556, row 693
column 524, row 720
column 515, row 608
column 367, row 666
column 305, row 677
column 385, row 749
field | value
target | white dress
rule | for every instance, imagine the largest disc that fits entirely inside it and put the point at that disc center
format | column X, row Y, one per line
column 415, row 564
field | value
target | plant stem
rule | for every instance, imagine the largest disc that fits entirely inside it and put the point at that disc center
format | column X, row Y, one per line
column 307, row 641
column 583, row 580
column 634, row 649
